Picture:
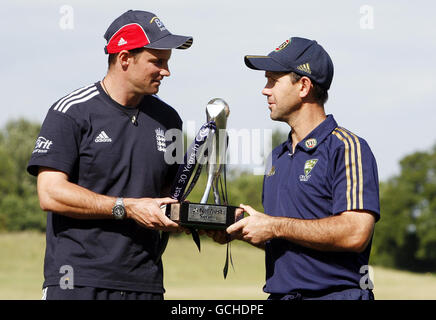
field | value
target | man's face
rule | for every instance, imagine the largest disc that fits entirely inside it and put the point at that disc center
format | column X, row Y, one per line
column 283, row 96
column 147, row 70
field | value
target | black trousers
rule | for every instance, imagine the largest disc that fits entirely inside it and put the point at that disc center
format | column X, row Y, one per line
column 343, row 294
column 90, row 293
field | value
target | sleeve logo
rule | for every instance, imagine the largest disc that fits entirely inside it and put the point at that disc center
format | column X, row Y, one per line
column 42, row 145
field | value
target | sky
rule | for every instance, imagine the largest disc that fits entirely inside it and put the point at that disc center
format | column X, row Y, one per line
column 383, row 51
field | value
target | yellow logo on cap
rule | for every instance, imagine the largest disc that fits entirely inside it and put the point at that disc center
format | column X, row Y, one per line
column 283, row 45
column 305, row 68
column 158, row 23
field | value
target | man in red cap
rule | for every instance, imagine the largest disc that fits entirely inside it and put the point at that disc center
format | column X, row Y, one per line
column 102, row 178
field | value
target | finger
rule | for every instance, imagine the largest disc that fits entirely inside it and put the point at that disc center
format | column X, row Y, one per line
column 248, row 209
column 166, row 200
column 163, row 222
column 236, row 227
column 163, row 208
column 239, row 214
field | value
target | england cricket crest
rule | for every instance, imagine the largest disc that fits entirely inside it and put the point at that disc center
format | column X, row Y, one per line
column 160, row 140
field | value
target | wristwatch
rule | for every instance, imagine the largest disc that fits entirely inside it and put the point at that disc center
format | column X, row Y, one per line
column 118, row 210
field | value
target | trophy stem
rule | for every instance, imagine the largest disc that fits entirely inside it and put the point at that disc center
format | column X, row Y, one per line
column 216, row 192
column 207, row 190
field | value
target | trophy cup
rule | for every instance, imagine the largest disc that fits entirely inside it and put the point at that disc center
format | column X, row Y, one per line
column 210, row 147
column 210, row 144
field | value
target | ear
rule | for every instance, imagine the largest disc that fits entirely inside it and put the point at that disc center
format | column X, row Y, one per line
column 306, row 86
column 124, row 59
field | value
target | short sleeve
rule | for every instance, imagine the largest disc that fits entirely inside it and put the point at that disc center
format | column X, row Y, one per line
column 57, row 144
column 355, row 184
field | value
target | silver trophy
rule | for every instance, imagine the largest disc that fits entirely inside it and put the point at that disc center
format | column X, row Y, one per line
column 217, row 110
column 203, row 215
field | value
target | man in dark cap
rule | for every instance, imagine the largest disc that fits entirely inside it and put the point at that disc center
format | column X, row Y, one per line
column 320, row 193
column 102, row 175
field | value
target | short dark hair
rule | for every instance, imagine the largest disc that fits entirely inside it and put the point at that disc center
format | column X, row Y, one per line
column 113, row 56
column 318, row 93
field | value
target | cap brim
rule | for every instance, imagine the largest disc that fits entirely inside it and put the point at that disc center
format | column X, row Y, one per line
column 171, row 41
column 265, row 63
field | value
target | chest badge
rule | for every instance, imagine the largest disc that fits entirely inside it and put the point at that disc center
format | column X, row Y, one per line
column 271, row 172
column 311, row 143
column 308, row 167
column 160, row 140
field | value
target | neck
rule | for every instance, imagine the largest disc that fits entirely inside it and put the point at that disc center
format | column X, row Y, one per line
column 303, row 121
column 120, row 92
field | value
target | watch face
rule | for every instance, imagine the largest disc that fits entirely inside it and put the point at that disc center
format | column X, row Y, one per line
column 118, row 211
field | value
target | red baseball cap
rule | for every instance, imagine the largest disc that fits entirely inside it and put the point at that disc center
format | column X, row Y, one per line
column 137, row 29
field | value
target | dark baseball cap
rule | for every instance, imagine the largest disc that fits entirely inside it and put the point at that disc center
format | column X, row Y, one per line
column 137, row 29
column 302, row 56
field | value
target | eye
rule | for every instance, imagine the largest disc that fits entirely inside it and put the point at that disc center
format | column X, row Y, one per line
column 271, row 80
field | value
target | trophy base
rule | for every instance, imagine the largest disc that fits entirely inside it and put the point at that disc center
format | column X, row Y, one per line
column 202, row 216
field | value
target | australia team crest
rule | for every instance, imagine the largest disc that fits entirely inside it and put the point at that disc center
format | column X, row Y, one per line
column 308, row 167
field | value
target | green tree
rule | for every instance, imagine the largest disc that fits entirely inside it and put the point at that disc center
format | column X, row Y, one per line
column 19, row 206
column 405, row 237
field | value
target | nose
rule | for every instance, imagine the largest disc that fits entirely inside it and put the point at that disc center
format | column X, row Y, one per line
column 266, row 91
column 165, row 71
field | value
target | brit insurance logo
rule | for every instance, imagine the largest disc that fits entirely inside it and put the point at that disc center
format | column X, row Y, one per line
column 159, row 23
column 308, row 167
column 42, row 145
column 160, row 140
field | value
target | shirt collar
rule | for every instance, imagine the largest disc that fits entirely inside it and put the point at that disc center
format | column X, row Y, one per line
column 314, row 138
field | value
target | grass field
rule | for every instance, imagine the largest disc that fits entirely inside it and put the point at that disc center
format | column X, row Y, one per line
column 190, row 274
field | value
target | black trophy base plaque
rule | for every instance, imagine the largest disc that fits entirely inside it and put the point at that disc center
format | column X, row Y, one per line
column 202, row 216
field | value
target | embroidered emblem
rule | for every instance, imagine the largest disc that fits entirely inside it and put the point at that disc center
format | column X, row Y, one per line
column 160, row 140
column 308, row 167
column 311, row 143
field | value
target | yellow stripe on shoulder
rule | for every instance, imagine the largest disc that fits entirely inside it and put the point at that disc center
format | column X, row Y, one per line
column 347, row 166
column 359, row 166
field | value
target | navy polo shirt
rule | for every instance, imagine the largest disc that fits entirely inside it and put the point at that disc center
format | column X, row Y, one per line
column 331, row 171
column 93, row 140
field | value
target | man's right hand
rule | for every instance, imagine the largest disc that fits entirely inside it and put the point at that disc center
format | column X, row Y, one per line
column 147, row 212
